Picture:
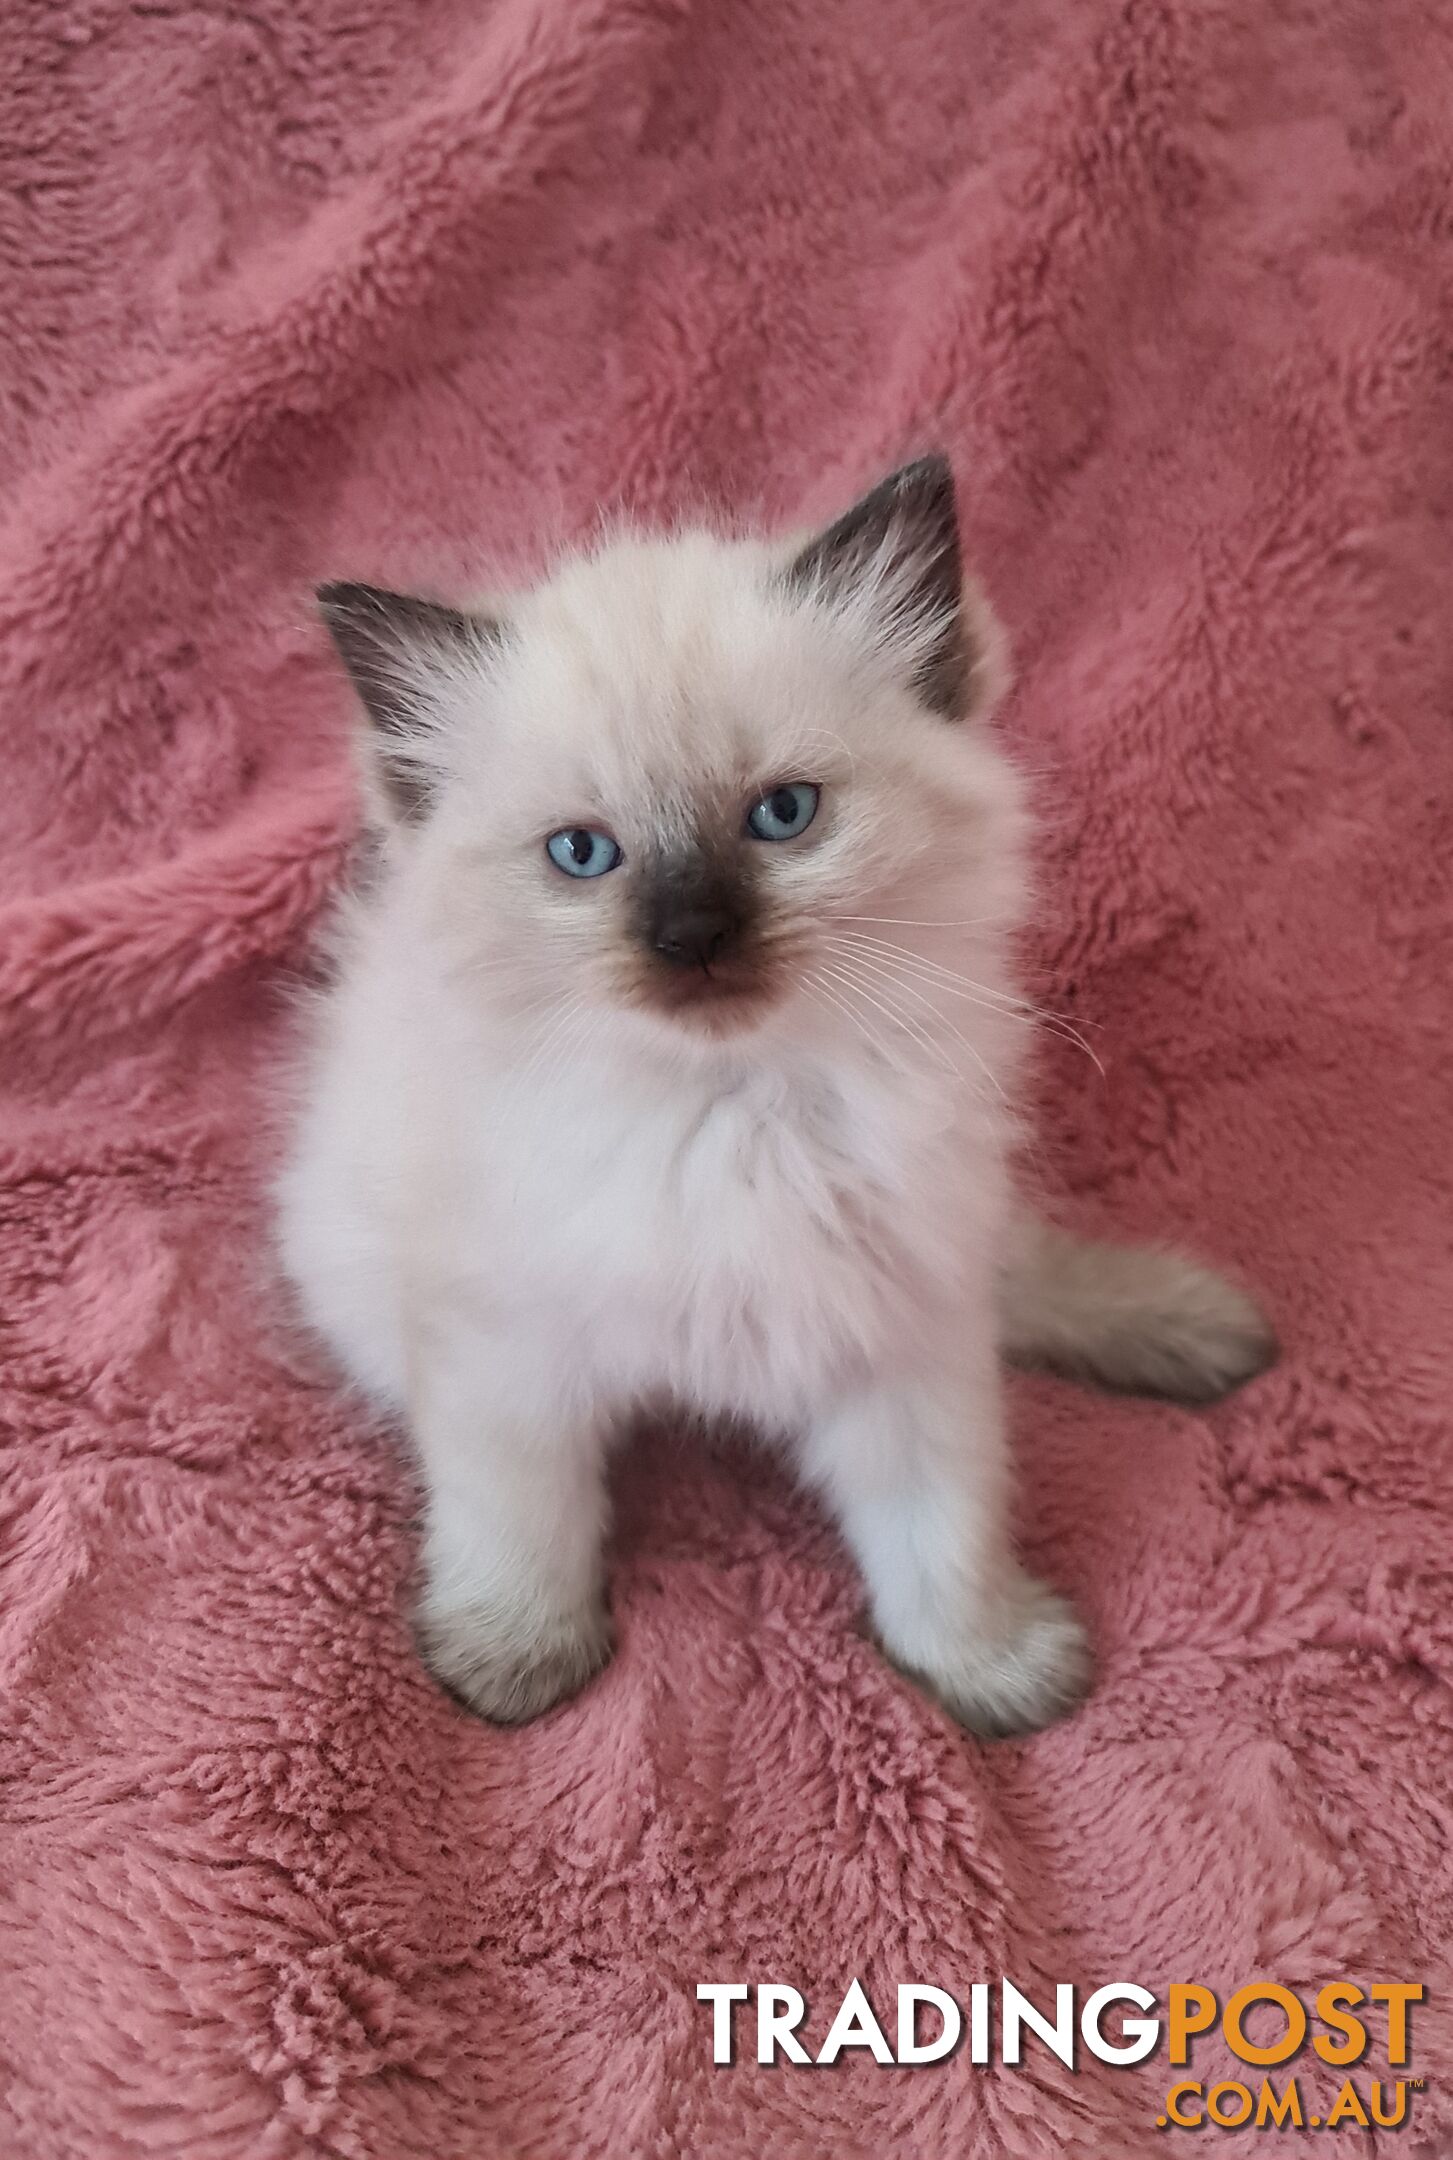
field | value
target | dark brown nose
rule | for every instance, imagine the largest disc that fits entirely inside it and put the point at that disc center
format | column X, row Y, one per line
column 694, row 937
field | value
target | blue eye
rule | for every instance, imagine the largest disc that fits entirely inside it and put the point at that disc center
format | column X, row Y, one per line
column 580, row 852
column 784, row 813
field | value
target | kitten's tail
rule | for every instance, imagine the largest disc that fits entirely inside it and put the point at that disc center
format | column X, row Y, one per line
column 1132, row 1318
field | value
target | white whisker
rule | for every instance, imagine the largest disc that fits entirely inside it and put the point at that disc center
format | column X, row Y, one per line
column 821, row 734
column 940, row 1019
column 894, row 1014
column 851, row 1013
column 965, row 986
column 856, row 989
column 910, row 922
column 903, row 966
column 550, row 1037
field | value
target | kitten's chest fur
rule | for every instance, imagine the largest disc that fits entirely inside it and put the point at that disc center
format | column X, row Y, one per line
column 741, row 1242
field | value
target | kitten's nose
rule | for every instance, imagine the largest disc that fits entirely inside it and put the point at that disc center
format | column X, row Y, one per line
column 694, row 937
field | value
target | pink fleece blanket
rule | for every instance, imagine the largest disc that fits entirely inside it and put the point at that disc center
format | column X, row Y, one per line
column 337, row 287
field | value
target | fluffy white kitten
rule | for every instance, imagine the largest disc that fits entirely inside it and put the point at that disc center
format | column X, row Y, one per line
column 670, row 1060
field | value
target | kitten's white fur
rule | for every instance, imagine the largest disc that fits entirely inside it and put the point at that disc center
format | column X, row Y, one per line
column 522, row 1200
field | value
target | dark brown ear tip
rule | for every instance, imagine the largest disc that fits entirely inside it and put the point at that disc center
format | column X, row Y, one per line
column 929, row 477
column 929, row 465
column 341, row 597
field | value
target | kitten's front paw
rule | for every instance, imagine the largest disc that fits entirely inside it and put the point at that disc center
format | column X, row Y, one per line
column 1037, row 1670
column 511, row 1679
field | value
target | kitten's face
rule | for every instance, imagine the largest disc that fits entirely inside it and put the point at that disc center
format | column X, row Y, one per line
column 685, row 773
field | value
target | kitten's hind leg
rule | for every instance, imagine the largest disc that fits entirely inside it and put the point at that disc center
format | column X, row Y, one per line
column 512, row 1618
column 1128, row 1317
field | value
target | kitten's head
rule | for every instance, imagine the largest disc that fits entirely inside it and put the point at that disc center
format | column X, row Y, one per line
column 672, row 781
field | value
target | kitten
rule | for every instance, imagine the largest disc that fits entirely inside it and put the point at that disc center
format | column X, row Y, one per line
column 672, row 1057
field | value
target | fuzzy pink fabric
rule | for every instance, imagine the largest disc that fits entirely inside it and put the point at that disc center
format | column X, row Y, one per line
column 343, row 287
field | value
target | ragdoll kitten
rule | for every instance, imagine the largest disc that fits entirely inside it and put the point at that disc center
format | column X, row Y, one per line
column 672, row 1058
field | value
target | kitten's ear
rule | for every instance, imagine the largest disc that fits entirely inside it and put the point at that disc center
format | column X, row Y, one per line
column 390, row 644
column 896, row 555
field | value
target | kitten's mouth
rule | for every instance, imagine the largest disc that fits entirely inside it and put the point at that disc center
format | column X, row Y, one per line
column 726, row 994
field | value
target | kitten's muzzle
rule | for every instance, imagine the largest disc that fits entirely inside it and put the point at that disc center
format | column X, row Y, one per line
column 694, row 937
column 696, row 931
